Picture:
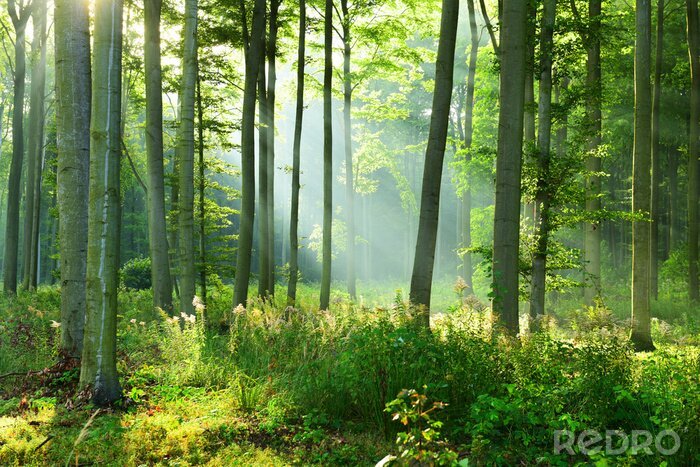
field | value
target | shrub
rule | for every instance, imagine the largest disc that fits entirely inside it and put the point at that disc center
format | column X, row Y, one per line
column 136, row 274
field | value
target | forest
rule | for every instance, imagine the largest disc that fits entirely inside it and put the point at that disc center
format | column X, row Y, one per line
column 350, row 232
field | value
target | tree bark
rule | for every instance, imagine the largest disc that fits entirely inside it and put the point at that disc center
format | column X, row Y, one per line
column 185, row 157
column 694, row 148
column 263, row 180
column 347, row 136
column 641, row 183
column 157, row 227
column 593, row 163
column 35, row 148
column 19, row 17
column 423, row 264
column 271, row 85
column 245, row 235
column 656, row 157
column 296, row 161
column 73, row 94
column 98, row 371
column 327, row 156
column 544, row 136
column 202, row 185
column 673, row 201
column 508, row 163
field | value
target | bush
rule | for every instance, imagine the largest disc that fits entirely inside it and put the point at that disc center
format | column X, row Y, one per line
column 136, row 274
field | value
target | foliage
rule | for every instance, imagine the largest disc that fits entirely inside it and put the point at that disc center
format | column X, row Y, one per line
column 136, row 274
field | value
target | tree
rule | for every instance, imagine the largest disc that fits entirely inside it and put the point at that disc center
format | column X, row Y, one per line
column 641, row 188
column 73, row 94
column 296, row 161
column 98, row 371
column 35, row 147
column 263, row 179
column 271, row 85
column 468, row 130
column 346, row 24
column 20, row 14
column 185, row 158
column 253, row 52
column 508, row 163
column 422, row 277
column 327, row 155
column 593, row 162
column 655, row 156
column 157, row 229
column 544, row 135
column 693, row 25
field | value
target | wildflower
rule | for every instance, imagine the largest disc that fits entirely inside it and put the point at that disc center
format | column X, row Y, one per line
column 183, row 315
column 132, row 321
column 176, row 318
column 55, row 324
column 198, row 304
column 239, row 310
column 142, row 323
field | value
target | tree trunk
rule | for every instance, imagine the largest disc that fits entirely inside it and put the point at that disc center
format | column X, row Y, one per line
column 466, row 225
column 73, row 94
column 19, row 20
column 544, row 135
column 271, row 84
column 693, row 148
column 35, row 148
column 245, row 235
column 98, row 371
column 593, row 164
column 202, row 186
column 423, row 263
column 673, row 201
column 327, row 156
column 263, row 179
column 157, row 228
column 641, row 183
column 296, row 162
column 508, row 164
column 185, row 157
column 347, row 134
column 655, row 157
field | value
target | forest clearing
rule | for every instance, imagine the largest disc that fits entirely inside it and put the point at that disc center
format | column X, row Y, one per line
column 349, row 232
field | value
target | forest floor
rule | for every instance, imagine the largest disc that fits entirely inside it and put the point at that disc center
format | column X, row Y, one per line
column 273, row 386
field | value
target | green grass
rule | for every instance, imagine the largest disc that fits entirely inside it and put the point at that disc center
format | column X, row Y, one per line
column 273, row 386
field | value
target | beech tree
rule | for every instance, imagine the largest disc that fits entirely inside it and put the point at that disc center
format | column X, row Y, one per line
column 98, row 370
column 506, row 228
column 157, row 238
column 20, row 14
column 422, row 277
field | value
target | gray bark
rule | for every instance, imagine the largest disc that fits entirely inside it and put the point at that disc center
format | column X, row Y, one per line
column 73, row 94
column 423, row 264
column 327, row 156
column 508, row 164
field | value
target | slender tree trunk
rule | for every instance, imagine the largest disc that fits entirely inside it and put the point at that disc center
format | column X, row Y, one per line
column 296, row 162
column 157, row 227
column 529, row 127
column 466, row 225
column 694, row 148
column 593, row 162
column 19, row 20
column 655, row 156
column 508, row 164
column 98, row 371
column 542, row 196
column 271, row 84
column 327, row 156
column 673, row 201
column 202, row 186
column 263, row 179
column 423, row 264
column 185, row 157
column 253, row 54
column 347, row 134
column 73, row 94
column 35, row 148
column 641, row 189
